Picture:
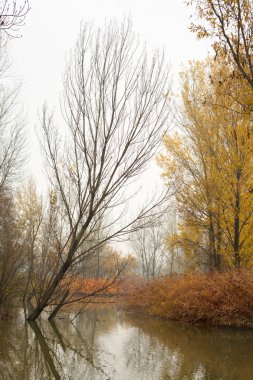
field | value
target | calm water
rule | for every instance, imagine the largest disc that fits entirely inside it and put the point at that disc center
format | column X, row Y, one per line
column 105, row 344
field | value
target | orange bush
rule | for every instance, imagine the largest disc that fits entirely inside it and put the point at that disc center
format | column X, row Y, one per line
column 216, row 299
column 89, row 285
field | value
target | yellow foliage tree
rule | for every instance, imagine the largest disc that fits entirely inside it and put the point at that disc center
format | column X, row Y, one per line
column 210, row 162
column 229, row 24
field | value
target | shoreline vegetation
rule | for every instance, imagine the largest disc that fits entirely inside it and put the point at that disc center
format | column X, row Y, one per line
column 223, row 299
column 217, row 299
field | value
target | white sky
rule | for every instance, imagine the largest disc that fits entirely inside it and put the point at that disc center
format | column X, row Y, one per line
column 51, row 30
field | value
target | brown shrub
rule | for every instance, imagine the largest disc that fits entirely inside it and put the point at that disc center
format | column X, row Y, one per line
column 216, row 299
column 90, row 285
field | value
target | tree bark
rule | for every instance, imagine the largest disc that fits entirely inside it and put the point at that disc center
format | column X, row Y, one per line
column 59, row 306
column 237, row 259
column 49, row 292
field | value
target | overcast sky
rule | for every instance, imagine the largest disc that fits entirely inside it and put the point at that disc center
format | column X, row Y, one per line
column 52, row 27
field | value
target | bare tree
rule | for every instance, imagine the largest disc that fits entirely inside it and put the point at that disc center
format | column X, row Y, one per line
column 11, row 124
column 12, row 16
column 11, row 160
column 149, row 246
column 115, row 108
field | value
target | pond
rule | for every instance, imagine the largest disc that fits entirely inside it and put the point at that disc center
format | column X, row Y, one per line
column 111, row 344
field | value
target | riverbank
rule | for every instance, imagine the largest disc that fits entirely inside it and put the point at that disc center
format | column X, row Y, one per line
column 218, row 299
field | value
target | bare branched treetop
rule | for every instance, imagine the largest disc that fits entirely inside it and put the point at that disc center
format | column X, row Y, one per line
column 12, row 16
column 115, row 109
column 11, row 123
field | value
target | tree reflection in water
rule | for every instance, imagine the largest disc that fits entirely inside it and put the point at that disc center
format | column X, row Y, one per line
column 117, row 346
column 51, row 350
column 176, row 351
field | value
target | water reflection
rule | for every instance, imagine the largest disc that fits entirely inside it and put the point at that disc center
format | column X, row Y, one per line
column 106, row 344
column 187, row 352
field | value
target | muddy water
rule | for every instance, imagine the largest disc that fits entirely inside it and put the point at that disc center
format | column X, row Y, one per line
column 114, row 345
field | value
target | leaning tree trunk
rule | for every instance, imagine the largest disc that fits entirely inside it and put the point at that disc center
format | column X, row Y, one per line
column 60, row 305
column 49, row 292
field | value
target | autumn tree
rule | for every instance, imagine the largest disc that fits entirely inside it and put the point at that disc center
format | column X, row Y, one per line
column 30, row 217
column 229, row 24
column 105, row 261
column 210, row 162
column 40, row 230
column 115, row 111
column 11, row 259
